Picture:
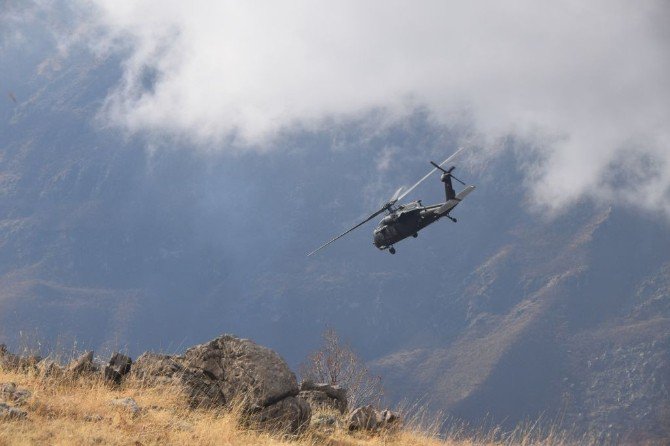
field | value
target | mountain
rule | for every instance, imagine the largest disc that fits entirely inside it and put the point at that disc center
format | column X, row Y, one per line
column 114, row 240
column 569, row 320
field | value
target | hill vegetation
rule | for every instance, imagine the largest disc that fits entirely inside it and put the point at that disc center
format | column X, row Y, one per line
column 87, row 402
column 83, row 410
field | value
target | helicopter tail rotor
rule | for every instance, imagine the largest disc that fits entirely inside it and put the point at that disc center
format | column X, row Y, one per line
column 446, row 179
column 447, row 172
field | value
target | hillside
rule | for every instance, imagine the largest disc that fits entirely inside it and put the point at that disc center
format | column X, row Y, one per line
column 560, row 324
column 43, row 403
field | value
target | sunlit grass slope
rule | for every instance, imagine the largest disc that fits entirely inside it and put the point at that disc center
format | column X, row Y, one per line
column 74, row 411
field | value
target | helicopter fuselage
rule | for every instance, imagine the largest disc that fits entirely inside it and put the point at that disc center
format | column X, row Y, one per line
column 407, row 220
column 404, row 222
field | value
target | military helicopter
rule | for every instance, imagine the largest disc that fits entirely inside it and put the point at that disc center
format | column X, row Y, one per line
column 405, row 220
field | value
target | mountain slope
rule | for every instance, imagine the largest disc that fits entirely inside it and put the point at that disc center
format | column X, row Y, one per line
column 114, row 240
column 557, row 339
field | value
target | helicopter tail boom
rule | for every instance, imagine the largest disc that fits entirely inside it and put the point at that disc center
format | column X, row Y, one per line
column 450, row 204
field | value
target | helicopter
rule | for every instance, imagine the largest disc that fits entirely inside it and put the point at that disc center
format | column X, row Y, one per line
column 405, row 220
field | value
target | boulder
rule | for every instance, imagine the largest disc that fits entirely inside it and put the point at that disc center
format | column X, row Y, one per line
column 83, row 364
column 244, row 370
column 370, row 419
column 389, row 419
column 291, row 414
column 324, row 396
column 201, row 389
column 93, row 418
column 49, row 368
column 11, row 362
column 325, row 422
column 8, row 361
column 362, row 418
column 8, row 412
column 232, row 371
column 119, row 366
column 154, row 367
column 128, row 404
column 9, row 391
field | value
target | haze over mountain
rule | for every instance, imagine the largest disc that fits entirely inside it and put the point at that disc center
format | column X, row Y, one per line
column 146, row 209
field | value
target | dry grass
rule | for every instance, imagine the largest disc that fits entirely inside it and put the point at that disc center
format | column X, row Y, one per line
column 65, row 411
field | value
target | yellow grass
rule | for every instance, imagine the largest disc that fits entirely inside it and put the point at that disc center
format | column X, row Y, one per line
column 78, row 411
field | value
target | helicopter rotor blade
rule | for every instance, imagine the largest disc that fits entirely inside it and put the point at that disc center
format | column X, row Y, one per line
column 458, row 180
column 405, row 193
column 348, row 231
column 437, row 166
column 397, row 193
column 448, row 172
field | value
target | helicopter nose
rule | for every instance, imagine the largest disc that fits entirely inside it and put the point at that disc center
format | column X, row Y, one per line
column 378, row 239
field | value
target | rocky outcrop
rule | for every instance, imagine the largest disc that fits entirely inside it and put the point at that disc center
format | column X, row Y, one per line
column 291, row 414
column 326, row 422
column 229, row 370
column 8, row 361
column 49, row 368
column 82, row 365
column 119, row 366
column 8, row 412
column 368, row 418
column 244, row 369
column 12, row 362
column 201, row 389
column 10, row 392
column 324, row 396
column 128, row 404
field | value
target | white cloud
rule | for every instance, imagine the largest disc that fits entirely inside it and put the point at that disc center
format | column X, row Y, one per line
column 581, row 81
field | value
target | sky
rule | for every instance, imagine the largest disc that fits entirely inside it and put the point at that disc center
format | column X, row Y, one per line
column 584, row 87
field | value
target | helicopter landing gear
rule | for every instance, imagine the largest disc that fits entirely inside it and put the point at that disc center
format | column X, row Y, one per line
column 452, row 218
column 392, row 250
column 415, row 235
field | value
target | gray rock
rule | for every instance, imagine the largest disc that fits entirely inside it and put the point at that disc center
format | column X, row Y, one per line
column 325, row 422
column 119, row 366
column 7, row 388
column 390, row 419
column 224, row 370
column 82, row 365
column 324, row 396
column 370, row 419
column 228, row 371
column 30, row 361
column 8, row 412
column 8, row 361
column 201, row 389
column 10, row 392
column 244, row 369
column 128, row 404
column 362, row 418
column 93, row 418
column 291, row 414
column 49, row 368
column 121, row 363
column 152, row 366
column 11, row 362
